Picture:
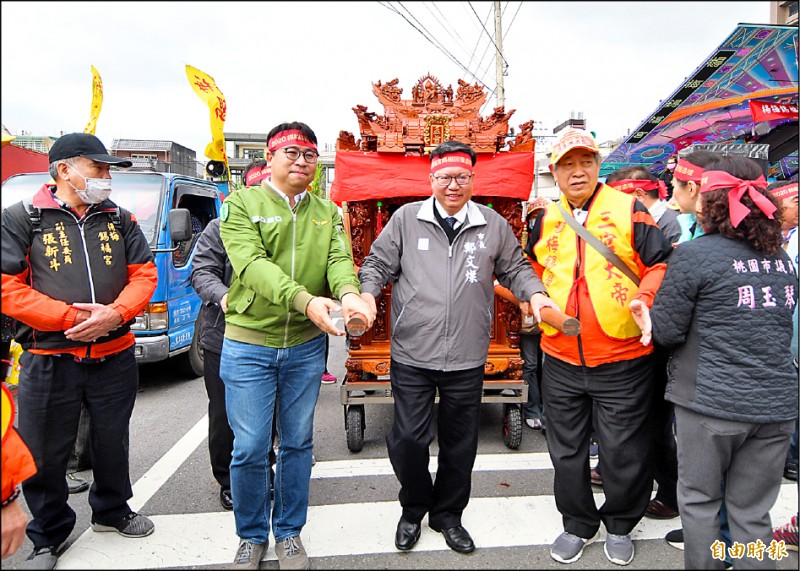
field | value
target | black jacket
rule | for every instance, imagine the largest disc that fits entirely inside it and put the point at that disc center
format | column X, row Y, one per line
column 102, row 258
column 727, row 311
column 211, row 277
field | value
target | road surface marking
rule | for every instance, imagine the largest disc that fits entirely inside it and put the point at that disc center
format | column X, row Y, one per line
column 209, row 539
column 206, row 539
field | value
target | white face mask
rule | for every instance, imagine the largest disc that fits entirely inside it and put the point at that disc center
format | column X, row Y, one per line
column 96, row 190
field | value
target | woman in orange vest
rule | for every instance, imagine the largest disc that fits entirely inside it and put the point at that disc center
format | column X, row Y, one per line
column 17, row 466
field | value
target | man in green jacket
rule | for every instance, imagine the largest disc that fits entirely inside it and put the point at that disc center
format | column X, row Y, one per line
column 289, row 253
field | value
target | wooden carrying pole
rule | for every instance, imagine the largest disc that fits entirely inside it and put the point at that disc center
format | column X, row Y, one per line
column 567, row 325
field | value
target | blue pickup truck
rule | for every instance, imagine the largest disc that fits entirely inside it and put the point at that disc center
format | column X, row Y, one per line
column 164, row 204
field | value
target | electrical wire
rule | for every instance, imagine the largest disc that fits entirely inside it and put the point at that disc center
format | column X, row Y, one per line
column 487, row 32
column 426, row 35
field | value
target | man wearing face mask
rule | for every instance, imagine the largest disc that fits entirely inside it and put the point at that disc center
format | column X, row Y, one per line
column 666, row 175
column 76, row 270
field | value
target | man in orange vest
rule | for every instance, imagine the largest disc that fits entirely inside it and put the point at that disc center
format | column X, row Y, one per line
column 17, row 466
column 605, row 370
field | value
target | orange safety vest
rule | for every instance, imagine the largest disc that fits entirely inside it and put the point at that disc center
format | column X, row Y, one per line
column 18, row 464
column 588, row 286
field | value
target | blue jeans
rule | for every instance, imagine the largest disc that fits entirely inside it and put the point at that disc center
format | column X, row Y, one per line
column 254, row 376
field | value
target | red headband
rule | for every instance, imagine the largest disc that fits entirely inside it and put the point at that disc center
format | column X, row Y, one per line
column 451, row 160
column 289, row 138
column 715, row 180
column 785, row 191
column 686, row 171
column 628, row 185
column 255, row 175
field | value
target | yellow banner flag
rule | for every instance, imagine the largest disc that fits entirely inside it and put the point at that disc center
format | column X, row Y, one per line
column 7, row 138
column 203, row 84
column 97, row 102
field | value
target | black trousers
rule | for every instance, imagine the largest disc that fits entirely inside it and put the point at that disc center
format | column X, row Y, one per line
column 220, row 435
column 665, row 449
column 619, row 395
column 408, row 441
column 51, row 390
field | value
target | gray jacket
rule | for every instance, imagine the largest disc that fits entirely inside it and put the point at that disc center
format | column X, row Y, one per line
column 443, row 294
column 211, row 276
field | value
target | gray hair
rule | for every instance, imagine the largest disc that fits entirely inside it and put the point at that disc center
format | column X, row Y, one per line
column 53, row 168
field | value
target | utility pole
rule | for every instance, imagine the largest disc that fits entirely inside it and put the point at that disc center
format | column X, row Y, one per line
column 498, row 35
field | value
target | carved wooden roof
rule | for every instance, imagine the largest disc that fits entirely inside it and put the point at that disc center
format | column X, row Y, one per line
column 433, row 114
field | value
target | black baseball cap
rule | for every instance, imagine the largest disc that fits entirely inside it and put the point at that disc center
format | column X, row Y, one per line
column 84, row 145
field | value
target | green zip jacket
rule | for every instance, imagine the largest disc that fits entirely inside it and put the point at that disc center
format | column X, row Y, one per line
column 281, row 259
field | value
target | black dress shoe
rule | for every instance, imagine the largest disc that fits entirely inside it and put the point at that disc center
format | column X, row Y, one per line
column 790, row 472
column 457, row 539
column 225, row 498
column 407, row 535
column 659, row 510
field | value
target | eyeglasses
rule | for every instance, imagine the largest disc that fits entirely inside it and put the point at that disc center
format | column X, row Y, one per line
column 461, row 179
column 294, row 154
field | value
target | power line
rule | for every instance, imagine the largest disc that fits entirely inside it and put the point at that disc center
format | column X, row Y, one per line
column 514, row 17
column 427, row 37
column 441, row 20
column 487, row 33
column 477, row 42
column 485, row 51
column 477, row 74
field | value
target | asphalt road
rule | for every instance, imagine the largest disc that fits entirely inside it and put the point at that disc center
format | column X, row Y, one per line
column 354, row 509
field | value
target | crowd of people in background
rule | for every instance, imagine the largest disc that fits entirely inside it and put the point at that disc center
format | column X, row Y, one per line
column 684, row 374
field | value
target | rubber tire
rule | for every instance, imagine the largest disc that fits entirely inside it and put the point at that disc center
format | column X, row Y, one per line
column 512, row 425
column 354, row 425
column 191, row 362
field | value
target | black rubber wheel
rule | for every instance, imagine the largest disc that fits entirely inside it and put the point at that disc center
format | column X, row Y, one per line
column 354, row 425
column 191, row 362
column 512, row 425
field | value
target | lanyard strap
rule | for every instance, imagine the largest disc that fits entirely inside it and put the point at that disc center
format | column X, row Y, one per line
column 592, row 240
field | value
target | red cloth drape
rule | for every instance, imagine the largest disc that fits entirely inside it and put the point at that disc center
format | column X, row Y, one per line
column 367, row 176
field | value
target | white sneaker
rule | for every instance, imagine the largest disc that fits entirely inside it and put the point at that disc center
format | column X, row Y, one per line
column 534, row 423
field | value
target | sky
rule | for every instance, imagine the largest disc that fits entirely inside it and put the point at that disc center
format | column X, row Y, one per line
column 315, row 61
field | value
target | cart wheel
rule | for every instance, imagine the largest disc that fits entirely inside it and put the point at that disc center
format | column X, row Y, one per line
column 512, row 425
column 354, row 423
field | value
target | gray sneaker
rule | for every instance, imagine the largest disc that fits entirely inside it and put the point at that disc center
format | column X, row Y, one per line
column 44, row 557
column 291, row 553
column 619, row 549
column 568, row 548
column 249, row 555
column 76, row 484
column 132, row 525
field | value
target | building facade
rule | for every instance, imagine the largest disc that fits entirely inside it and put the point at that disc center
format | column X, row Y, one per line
column 159, row 156
column 783, row 13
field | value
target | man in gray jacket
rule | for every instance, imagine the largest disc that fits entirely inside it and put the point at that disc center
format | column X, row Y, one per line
column 441, row 256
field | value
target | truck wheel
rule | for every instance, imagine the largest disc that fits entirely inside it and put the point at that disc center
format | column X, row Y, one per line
column 191, row 362
column 354, row 424
column 512, row 425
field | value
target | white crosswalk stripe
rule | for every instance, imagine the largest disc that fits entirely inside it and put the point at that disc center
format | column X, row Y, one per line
column 342, row 529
